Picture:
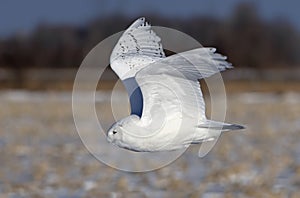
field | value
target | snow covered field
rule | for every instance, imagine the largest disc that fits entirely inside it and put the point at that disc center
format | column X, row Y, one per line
column 41, row 154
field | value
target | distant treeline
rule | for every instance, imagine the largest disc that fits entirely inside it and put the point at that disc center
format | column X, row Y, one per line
column 244, row 37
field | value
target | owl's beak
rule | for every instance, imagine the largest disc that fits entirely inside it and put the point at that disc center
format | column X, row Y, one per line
column 109, row 139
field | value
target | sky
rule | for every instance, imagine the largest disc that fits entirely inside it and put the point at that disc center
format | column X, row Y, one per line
column 25, row 15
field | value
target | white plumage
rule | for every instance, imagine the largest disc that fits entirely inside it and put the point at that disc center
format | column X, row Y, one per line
column 167, row 106
column 138, row 47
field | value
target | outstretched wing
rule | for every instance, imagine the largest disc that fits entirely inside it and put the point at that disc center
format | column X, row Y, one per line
column 138, row 47
column 192, row 65
column 175, row 78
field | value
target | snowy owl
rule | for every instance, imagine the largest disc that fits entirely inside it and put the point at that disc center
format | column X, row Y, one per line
column 167, row 106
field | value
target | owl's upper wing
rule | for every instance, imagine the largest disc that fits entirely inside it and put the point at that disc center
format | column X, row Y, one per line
column 137, row 47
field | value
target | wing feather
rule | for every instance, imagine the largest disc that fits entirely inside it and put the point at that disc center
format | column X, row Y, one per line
column 139, row 39
column 193, row 64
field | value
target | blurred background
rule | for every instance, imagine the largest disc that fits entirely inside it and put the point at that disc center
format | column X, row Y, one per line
column 42, row 44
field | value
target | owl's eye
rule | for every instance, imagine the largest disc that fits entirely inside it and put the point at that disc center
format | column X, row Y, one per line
column 114, row 132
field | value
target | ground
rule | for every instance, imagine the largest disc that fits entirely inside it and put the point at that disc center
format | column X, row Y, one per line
column 42, row 155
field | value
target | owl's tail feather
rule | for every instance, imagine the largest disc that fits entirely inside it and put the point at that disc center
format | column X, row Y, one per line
column 214, row 125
